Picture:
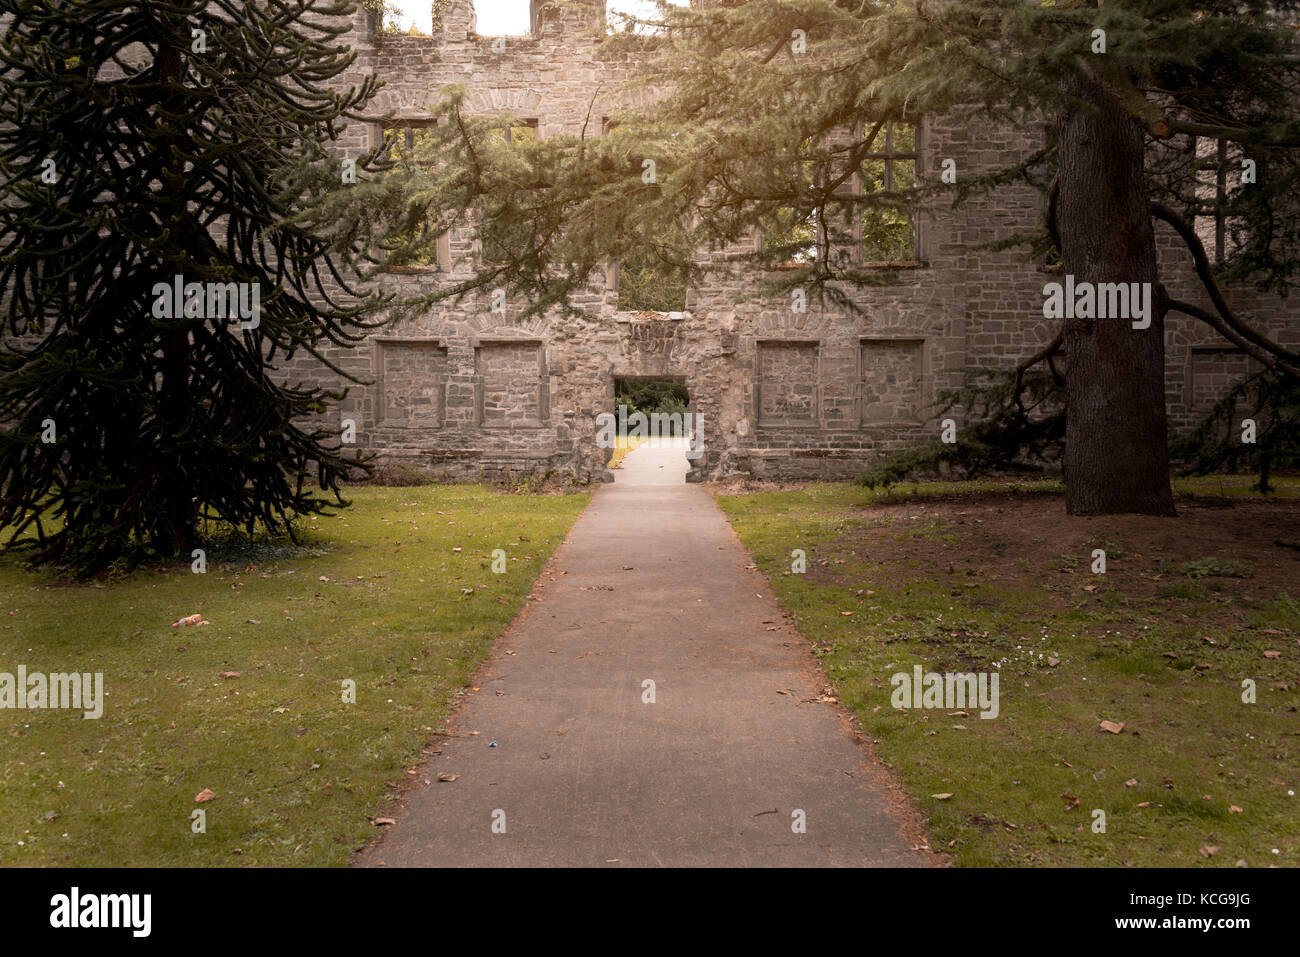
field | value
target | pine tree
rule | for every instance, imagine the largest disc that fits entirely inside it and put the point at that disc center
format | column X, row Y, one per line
column 773, row 104
column 141, row 143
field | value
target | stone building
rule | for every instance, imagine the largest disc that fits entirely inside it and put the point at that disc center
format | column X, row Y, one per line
column 466, row 392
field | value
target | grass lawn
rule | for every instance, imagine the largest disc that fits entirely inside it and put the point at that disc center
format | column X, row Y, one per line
column 396, row 594
column 979, row 578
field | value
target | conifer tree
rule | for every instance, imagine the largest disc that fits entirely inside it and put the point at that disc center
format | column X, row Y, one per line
column 140, row 143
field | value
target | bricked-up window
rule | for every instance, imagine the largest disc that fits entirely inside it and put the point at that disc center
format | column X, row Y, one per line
column 407, row 144
column 411, row 380
column 1211, row 372
column 889, row 234
column 511, row 385
column 890, row 381
column 788, row 386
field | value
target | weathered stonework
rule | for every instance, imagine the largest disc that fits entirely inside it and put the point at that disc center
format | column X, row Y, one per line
column 465, row 392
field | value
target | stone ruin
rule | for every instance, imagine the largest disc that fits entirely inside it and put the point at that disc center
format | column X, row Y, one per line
column 469, row 393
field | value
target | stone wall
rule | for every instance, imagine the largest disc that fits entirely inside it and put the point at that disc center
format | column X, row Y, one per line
column 466, row 392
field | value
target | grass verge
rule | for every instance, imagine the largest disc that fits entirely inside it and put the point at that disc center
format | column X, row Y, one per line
column 396, row 594
column 982, row 579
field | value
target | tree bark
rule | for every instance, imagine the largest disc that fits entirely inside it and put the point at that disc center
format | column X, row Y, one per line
column 1116, row 444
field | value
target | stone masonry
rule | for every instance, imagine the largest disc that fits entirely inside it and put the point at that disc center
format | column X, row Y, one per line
column 468, row 393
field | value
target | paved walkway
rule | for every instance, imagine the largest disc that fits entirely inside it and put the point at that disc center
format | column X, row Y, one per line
column 650, row 584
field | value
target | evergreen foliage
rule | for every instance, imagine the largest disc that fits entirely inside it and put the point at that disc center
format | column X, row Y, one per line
column 139, row 143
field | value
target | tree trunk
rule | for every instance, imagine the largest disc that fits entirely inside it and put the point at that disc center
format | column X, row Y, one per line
column 1116, row 451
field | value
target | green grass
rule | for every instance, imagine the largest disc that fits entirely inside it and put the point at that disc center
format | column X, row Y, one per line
column 1193, row 748
column 379, row 597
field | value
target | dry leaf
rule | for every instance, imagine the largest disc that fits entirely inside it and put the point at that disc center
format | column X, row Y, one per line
column 1145, row 804
column 381, row 821
column 1052, row 662
column 1272, row 654
column 1209, row 850
column 204, row 795
column 230, row 674
column 1236, row 810
column 445, row 777
column 941, row 797
column 1114, row 727
column 1131, row 783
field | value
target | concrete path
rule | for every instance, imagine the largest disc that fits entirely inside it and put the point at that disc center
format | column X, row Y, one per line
column 650, row 584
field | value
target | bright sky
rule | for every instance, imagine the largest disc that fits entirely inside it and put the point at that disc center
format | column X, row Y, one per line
column 505, row 17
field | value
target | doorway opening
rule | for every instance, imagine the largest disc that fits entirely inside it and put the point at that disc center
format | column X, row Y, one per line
column 653, row 414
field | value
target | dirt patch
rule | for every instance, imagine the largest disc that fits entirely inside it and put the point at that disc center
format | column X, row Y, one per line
column 1215, row 547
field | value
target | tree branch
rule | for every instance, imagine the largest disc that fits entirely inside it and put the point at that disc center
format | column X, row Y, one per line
column 1269, row 360
column 1226, row 320
column 1045, row 353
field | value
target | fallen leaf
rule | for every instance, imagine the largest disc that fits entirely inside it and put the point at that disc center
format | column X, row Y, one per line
column 1236, row 810
column 230, row 674
column 444, row 777
column 1131, row 783
column 204, row 795
column 1209, row 850
column 1052, row 662
column 1114, row 727
column 941, row 797
column 381, row 821
column 1272, row 654
column 1145, row 804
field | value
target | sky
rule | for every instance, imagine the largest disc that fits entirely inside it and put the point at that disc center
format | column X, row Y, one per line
column 502, row 17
